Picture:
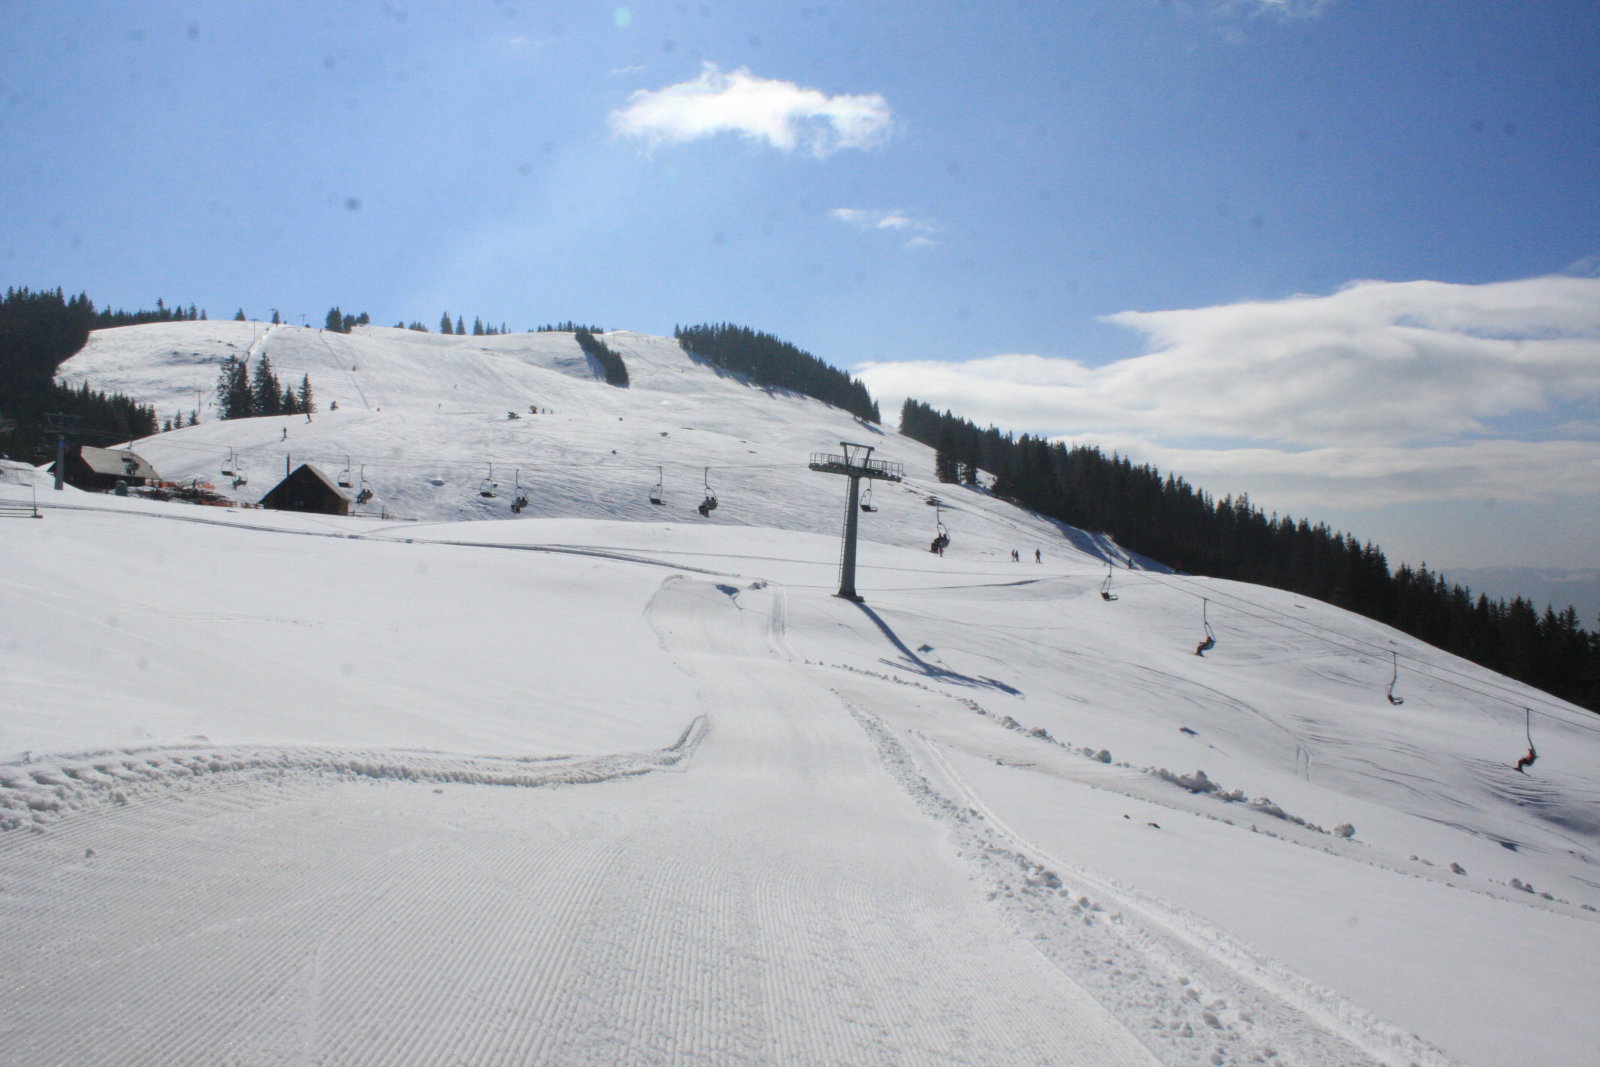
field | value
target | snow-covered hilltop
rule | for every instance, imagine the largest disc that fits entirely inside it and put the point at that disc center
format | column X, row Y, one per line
column 606, row 782
column 427, row 419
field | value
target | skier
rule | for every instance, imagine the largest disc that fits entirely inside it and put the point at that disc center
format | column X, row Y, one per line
column 1038, row 557
column 1527, row 761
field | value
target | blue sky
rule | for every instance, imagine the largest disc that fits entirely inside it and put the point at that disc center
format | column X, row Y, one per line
column 1342, row 256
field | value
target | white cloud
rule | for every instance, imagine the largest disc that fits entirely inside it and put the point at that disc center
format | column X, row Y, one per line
column 778, row 113
column 1378, row 393
column 1280, row 8
column 888, row 221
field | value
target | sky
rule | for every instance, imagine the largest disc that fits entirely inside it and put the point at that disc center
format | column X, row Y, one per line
column 1342, row 257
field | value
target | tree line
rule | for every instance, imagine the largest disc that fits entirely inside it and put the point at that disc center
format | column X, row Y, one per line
column 39, row 331
column 1165, row 518
column 765, row 360
column 615, row 370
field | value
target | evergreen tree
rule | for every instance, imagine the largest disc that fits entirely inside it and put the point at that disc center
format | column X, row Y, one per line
column 238, row 316
column 334, row 321
column 275, row 319
column 303, row 398
column 266, row 394
column 477, row 327
column 444, row 324
column 461, row 328
column 234, row 397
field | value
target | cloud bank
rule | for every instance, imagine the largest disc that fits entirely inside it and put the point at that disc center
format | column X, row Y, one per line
column 779, row 114
column 1377, row 394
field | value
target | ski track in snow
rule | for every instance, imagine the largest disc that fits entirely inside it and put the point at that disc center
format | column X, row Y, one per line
column 778, row 899
column 1198, row 996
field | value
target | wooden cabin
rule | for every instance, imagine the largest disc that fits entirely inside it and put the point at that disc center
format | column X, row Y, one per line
column 100, row 469
column 308, row 489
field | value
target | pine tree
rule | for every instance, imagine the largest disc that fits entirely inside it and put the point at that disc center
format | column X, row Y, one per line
column 303, row 404
column 234, row 398
column 266, row 393
column 444, row 324
column 461, row 328
column 238, row 316
column 477, row 326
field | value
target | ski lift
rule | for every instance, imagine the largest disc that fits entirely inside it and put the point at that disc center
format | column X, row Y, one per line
column 866, row 500
column 520, row 501
column 1524, row 762
column 1210, row 640
column 230, row 468
column 1105, row 587
column 345, row 481
column 487, row 487
column 655, row 493
column 366, row 490
column 709, row 504
column 941, row 534
column 1393, row 678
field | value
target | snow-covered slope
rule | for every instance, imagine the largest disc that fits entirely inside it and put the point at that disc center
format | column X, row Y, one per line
column 424, row 419
column 289, row 788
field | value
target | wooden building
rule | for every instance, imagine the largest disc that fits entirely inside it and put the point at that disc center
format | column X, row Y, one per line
column 308, row 489
column 99, row 469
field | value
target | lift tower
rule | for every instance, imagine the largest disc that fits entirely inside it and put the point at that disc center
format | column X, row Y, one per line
column 855, row 463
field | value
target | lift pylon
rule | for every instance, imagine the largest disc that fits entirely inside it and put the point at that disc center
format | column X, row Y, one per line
column 855, row 463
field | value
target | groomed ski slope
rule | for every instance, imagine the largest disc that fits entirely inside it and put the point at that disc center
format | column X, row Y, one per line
column 295, row 789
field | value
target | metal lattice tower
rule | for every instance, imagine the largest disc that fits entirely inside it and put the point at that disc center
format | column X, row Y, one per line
column 855, row 463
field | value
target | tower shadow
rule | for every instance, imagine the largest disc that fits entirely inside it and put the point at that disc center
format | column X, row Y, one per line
column 917, row 665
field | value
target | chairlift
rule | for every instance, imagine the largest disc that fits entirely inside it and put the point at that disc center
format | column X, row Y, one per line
column 866, row 500
column 1524, row 762
column 941, row 535
column 366, row 490
column 520, row 501
column 1210, row 640
column 487, row 487
column 1393, row 678
column 709, row 504
column 230, row 468
column 1105, row 587
column 240, row 477
column 345, row 478
column 655, row 494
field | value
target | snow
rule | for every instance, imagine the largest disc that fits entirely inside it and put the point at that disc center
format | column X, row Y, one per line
column 603, row 782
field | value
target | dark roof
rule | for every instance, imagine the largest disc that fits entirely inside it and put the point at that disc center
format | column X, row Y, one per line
column 116, row 463
column 333, row 487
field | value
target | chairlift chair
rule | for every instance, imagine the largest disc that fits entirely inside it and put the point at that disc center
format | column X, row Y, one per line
column 366, row 490
column 487, row 487
column 941, row 535
column 1105, row 586
column 1524, row 762
column 1210, row 640
column 709, row 504
column 230, row 467
column 345, row 480
column 866, row 500
column 520, row 501
column 655, row 493
column 1393, row 678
